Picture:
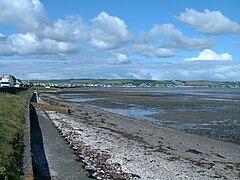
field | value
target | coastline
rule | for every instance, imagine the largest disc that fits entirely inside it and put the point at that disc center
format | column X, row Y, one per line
column 115, row 146
column 214, row 114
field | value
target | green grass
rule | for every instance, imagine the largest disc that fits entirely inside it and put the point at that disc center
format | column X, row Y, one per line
column 29, row 92
column 12, row 118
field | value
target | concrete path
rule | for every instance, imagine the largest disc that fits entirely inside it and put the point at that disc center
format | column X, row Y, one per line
column 52, row 157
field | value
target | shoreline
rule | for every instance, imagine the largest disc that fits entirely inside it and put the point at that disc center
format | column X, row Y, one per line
column 205, row 114
column 129, row 148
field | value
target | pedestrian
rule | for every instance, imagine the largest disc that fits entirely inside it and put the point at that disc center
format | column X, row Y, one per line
column 69, row 111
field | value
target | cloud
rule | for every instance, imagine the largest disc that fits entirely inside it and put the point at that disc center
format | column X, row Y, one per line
column 209, row 55
column 165, row 40
column 108, row 32
column 149, row 50
column 194, row 70
column 73, row 68
column 103, row 32
column 118, row 58
column 2, row 38
column 236, row 43
column 199, row 70
column 30, row 44
column 176, row 38
column 39, row 35
column 62, row 36
column 71, row 28
column 24, row 14
column 209, row 22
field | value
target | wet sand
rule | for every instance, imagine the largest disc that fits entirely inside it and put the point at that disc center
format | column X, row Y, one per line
column 118, row 147
column 214, row 113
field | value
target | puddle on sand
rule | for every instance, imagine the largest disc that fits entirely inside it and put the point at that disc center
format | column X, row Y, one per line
column 86, row 99
column 135, row 112
column 73, row 98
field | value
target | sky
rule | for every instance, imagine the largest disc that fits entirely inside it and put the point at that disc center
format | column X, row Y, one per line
column 121, row 39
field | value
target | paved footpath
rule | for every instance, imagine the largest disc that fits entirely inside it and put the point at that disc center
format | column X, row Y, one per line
column 56, row 160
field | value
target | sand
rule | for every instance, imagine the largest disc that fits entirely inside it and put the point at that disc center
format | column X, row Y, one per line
column 118, row 147
column 209, row 112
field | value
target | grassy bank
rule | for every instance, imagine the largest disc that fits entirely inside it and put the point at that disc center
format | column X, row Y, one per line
column 12, row 118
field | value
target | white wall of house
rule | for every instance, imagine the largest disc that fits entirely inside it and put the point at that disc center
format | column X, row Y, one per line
column 7, row 81
column 18, row 83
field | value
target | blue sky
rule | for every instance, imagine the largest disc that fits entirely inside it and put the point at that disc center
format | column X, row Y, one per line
column 187, row 40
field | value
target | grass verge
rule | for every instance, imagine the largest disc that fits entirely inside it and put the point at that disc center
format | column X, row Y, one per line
column 12, row 119
column 49, row 107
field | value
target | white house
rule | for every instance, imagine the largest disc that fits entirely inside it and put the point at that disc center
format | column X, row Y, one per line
column 7, row 80
column 18, row 83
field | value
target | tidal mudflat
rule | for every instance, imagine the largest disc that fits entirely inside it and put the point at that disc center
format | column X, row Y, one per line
column 210, row 112
column 115, row 146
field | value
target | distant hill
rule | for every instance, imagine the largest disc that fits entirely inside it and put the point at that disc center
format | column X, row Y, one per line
column 133, row 82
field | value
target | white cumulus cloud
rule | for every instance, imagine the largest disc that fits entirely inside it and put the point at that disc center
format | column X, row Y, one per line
column 177, row 40
column 30, row 44
column 165, row 40
column 209, row 22
column 108, row 32
column 24, row 14
column 71, row 28
column 103, row 32
column 209, row 55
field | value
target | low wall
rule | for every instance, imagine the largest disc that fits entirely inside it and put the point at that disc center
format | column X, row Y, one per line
column 27, row 160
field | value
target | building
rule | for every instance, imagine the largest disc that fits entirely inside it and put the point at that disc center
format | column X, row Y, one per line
column 7, row 80
column 18, row 83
